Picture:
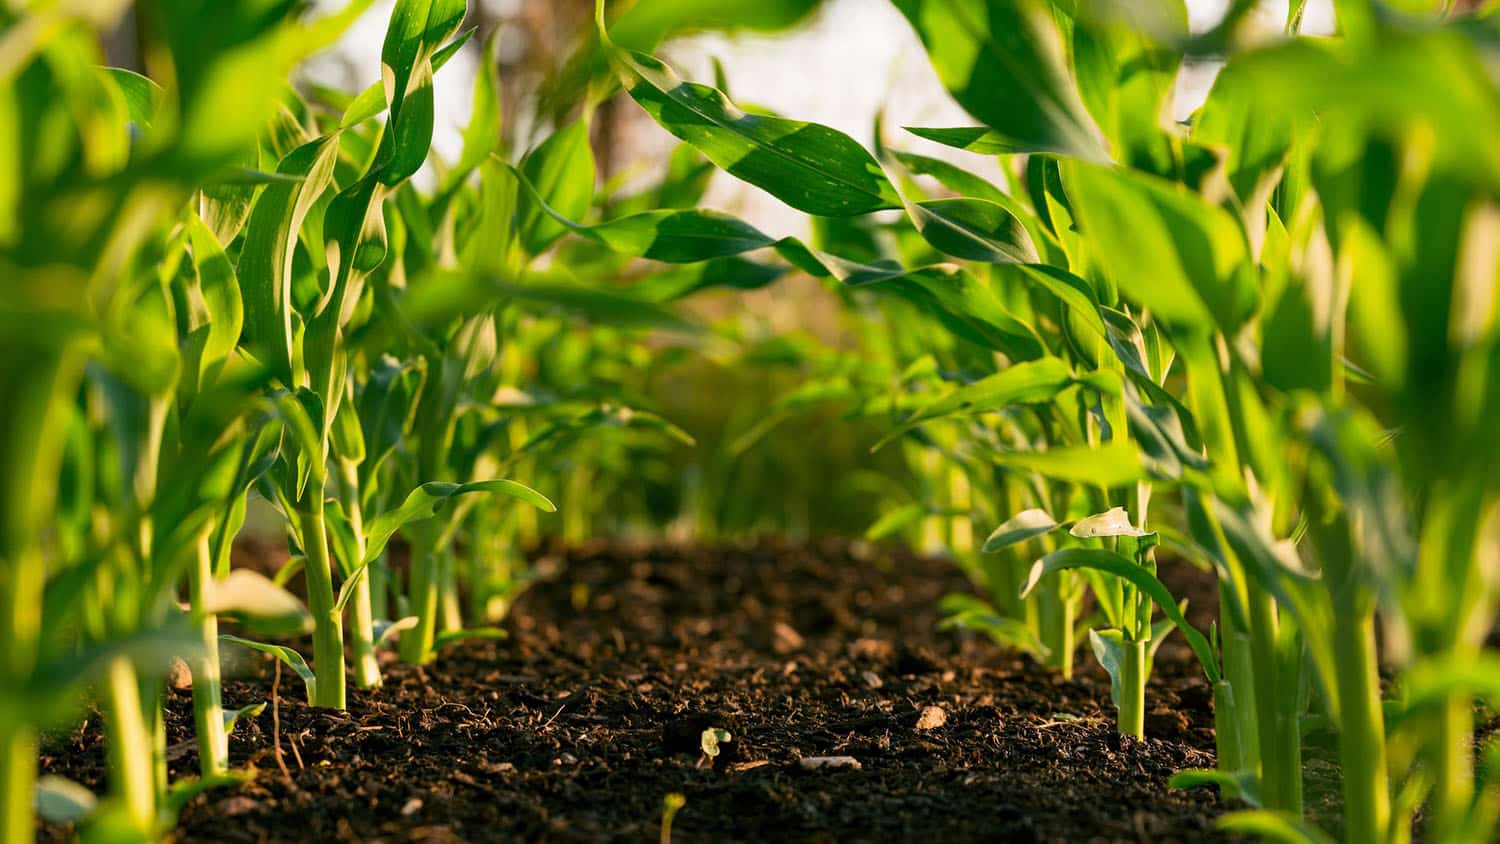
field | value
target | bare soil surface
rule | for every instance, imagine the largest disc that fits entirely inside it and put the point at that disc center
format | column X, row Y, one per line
column 577, row 726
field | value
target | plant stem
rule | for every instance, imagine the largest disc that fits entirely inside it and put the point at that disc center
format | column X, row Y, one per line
column 1227, row 744
column 328, row 633
column 1055, row 617
column 1132, row 712
column 18, row 755
column 1239, row 673
column 1453, row 763
column 416, row 643
column 362, row 621
column 208, row 706
column 132, row 778
column 1280, row 744
column 1367, row 800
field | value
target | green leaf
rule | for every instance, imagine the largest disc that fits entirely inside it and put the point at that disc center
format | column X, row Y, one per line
column 265, row 263
column 289, row 657
column 233, row 716
column 561, row 169
column 140, row 93
column 428, row 499
column 483, row 134
column 59, row 800
column 254, row 601
column 1023, row 383
column 1116, row 463
column 1169, row 250
column 806, row 165
column 975, row 139
column 1109, row 648
column 1024, row 525
column 450, row 636
column 1112, row 522
column 1273, row 826
column 968, row 611
column 384, row 630
column 895, row 521
column 1109, row 562
column 1244, row 785
column 1004, row 61
column 974, row 230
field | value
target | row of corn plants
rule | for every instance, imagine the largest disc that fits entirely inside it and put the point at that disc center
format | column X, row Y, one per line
column 1276, row 321
column 222, row 288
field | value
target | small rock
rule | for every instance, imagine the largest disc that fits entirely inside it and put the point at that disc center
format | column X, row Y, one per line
column 235, row 805
column 932, row 717
column 411, row 807
column 817, row 763
column 566, row 759
column 871, row 679
column 784, row 639
column 179, row 675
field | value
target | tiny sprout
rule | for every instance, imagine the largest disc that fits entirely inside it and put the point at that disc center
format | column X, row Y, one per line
column 670, row 806
column 710, row 741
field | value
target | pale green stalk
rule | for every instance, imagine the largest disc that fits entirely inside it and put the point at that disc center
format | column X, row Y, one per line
column 129, row 752
column 361, row 605
column 208, row 706
column 328, row 633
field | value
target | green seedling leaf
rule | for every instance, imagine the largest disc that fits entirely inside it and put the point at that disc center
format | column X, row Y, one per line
column 232, row 716
column 1112, row 522
column 1273, row 826
column 710, row 740
column 428, row 499
column 183, row 791
column 968, row 611
column 1109, row 648
column 1005, row 62
column 1024, row 525
column 1109, row 562
column 288, row 657
column 60, row 800
column 1244, row 785
column 385, row 630
column 895, row 521
column 257, row 603
column 451, row 636
column 808, row 166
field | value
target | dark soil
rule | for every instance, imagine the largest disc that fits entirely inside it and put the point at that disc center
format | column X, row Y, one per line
column 578, row 726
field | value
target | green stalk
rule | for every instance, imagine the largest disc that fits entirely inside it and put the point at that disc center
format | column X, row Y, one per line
column 1132, row 710
column 1227, row 744
column 129, row 751
column 1367, row 800
column 1239, row 674
column 18, row 755
column 1453, row 763
column 361, row 608
column 208, row 704
column 1055, row 616
column 328, row 632
column 1280, row 744
column 416, row 643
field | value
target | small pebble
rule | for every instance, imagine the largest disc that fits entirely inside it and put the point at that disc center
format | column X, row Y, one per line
column 814, row 763
column 872, row 679
column 932, row 717
column 566, row 759
column 411, row 807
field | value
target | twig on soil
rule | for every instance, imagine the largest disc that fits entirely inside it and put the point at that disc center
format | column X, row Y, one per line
column 276, row 725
